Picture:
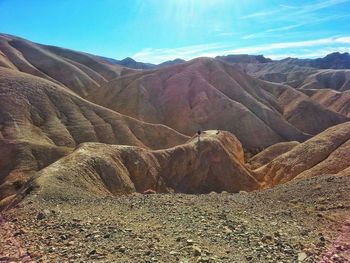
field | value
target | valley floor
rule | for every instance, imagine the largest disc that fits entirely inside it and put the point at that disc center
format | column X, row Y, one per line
column 305, row 221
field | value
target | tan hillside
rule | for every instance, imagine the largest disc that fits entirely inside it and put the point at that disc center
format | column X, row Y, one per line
column 334, row 100
column 78, row 71
column 327, row 79
column 215, row 163
column 296, row 76
column 209, row 94
column 326, row 153
column 40, row 121
column 270, row 153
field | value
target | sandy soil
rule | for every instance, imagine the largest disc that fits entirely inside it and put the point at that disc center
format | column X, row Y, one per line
column 306, row 221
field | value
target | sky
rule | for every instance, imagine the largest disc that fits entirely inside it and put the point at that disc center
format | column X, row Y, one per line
column 159, row 30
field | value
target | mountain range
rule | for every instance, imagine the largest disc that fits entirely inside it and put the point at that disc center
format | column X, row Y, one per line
column 237, row 158
column 134, row 125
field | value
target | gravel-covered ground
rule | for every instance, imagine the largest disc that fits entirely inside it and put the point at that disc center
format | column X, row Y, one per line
column 306, row 221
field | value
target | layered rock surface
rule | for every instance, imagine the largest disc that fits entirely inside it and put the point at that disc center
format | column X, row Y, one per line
column 209, row 94
column 80, row 72
column 326, row 153
column 215, row 163
column 41, row 121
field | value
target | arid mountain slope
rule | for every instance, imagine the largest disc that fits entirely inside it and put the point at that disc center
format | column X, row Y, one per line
column 209, row 94
column 80, row 72
column 270, row 153
column 326, row 153
column 38, row 117
column 334, row 60
column 334, row 100
column 327, row 79
column 296, row 75
column 215, row 163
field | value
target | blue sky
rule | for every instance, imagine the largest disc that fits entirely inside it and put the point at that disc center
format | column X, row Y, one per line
column 159, row 30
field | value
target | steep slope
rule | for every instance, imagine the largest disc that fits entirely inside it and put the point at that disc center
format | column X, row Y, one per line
column 215, row 163
column 270, row 153
column 303, row 74
column 78, row 71
column 306, row 114
column 326, row 153
column 327, row 79
column 333, row 100
column 209, row 94
column 334, row 60
column 38, row 116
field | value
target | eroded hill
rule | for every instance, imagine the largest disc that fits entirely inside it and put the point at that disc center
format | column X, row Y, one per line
column 41, row 121
column 209, row 94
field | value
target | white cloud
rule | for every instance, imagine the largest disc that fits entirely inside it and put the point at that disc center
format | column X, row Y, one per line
column 309, row 48
column 284, row 28
column 297, row 10
column 158, row 55
column 289, row 45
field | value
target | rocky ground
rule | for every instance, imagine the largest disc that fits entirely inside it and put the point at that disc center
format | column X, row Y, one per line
column 306, row 221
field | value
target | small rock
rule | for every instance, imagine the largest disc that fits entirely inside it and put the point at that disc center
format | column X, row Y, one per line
column 40, row 216
column 227, row 230
column 196, row 251
column 302, row 256
column 122, row 249
column 249, row 258
column 203, row 260
column 189, row 242
column 266, row 238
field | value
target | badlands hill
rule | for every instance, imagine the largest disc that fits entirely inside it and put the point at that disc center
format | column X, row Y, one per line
column 334, row 100
column 82, row 137
column 41, row 121
column 209, row 89
column 323, row 73
column 326, row 153
column 215, row 163
column 209, row 94
column 77, row 71
column 54, row 99
column 334, row 60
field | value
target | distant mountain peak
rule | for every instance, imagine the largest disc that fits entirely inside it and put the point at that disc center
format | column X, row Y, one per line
column 245, row 58
column 128, row 60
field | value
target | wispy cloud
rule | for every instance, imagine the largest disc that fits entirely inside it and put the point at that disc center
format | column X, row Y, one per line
column 261, row 14
column 158, row 55
column 285, row 28
column 306, row 22
column 296, row 10
column 290, row 45
column 320, row 5
column 309, row 48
